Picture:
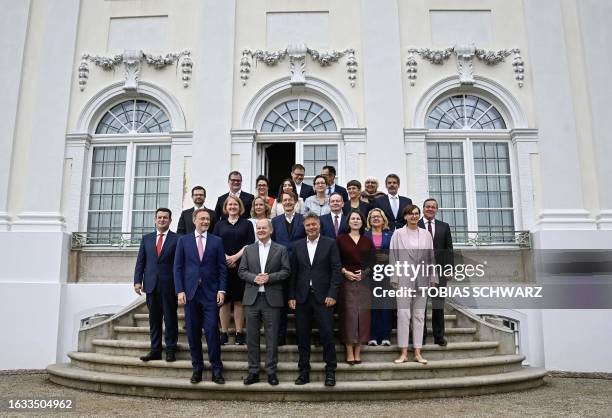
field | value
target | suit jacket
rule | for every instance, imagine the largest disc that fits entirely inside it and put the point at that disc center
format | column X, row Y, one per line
column 342, row 191
column 364, row 208
column 189, row 270
column 394, row 222
column 443, row 245
column 327, row 225
column 280, row 235
column 306, row 191
column 278, row 269
column 185, row 224
column 324, row 272
column 247, row 201
column 386, row 238
column 152, row 270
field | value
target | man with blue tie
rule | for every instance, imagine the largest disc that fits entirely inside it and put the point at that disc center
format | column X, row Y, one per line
column 393, row 204
column 153, row 275
column 329, row 172
column 200, row 281
column 334, row 223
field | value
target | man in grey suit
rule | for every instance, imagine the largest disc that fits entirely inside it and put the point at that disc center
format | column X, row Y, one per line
column 264, row 266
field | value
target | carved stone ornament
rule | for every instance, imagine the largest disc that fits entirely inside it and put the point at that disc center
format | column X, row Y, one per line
column 297, row 61
column 132, row 61
column 465, row 57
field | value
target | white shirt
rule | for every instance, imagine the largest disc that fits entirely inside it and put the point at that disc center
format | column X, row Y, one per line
column 264, row 250
column 165, row 235
column 433, row 226
column 204, row 235
column 333, row 216
column 311, row 246
column 298, row 188
column 237, row 194
column 394, row 203
column 289, row 218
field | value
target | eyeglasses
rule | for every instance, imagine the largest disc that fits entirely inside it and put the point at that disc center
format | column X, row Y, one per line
column 236, row 180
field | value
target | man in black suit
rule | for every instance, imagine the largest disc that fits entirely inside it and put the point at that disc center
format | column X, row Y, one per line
column 329, row 172
column 153, row 275
column 335, row 222
column 313, row 291
column 234, row 180
column 297, row 175
column 443, row 253
column 393, row 204
column 185, row 225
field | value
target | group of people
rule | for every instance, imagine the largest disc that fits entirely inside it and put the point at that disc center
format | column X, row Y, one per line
column 310, row 250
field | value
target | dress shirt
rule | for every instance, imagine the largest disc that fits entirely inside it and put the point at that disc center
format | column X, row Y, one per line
column 289, row 218
column 394, row 203
column 433, row 226
column 311, row 246
column 165, row 235
column 339, row 215
column 264, row 250
column 298, row 188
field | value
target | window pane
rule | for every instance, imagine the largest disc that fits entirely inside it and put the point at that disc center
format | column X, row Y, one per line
column 122, row 118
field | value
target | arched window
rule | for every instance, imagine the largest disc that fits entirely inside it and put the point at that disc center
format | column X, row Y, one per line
column 134, row 117
column 129, row 178
column 464, row 112
column 298, row 115
column 469, row 172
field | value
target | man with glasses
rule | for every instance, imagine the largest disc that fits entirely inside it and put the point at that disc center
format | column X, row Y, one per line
column 234, row 180
column 185, row 225
column 297, row 175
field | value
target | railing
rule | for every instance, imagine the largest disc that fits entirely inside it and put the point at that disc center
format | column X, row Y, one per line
column 491, row 238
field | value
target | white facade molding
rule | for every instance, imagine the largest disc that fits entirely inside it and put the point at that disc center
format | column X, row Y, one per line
column 565, row 219
column 604, row 219
column 354, row 134
column 297, row 61
column 525, row 144
column 110, row 95
column 77, row 150
column 318, row 90
column 5, row 222
column 465, row 55
column 39, row 222
column 132, row 61
column 505, row 102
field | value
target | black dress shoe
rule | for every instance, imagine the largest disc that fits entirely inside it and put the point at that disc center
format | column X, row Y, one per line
column 272, row 379
column 218, row 379
column 170, row 356
column 330, row 379
column 196, row 377
column 442, row 342
column 224, row 338
column 240, row 339
column 282, row 341
column 302, row 379
column 151, row 356
column 251, row 378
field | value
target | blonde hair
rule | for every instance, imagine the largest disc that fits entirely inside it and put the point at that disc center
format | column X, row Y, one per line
column 267, row 210
column 237, row 200
column 382, row 214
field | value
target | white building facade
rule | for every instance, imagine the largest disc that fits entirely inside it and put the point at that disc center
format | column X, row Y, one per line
column 115, row 107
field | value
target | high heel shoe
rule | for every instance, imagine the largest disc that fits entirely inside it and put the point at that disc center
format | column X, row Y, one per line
column 420, row 360
column 400, row 360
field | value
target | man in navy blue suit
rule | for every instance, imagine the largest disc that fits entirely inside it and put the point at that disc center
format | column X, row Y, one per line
column 234, row 180
column 153, row 275
column 200, row 281
column 287, row 228
column 334, row 223
column 329, row 172
column 393, row 204
column 297, row 175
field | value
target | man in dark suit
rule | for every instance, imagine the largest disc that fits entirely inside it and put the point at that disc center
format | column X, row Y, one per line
column 393, row 204
column 297, row 175
column 153, row 275
column 329, row 172
column 185, row 225
column 334, row 223
column 200, row 282
column 264, row 267
column 443, row 253
column 313, row 291
column 234, row 180
column 287, row 228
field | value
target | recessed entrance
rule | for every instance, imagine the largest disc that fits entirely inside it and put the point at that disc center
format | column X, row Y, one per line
column 277, row 161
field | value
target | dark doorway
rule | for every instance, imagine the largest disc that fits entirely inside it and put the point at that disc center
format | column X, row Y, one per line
column 279, row 159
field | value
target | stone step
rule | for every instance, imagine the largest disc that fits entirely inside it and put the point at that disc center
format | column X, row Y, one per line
column 289, row 353
column 167, row 387
column 287, row 371
column 142, row 334
column 142, row 320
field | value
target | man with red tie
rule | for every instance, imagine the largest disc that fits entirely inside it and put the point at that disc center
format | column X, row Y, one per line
column 334, row 223
column 153, row 275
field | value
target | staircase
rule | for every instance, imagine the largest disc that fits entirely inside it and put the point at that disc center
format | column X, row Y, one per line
column 479, row 359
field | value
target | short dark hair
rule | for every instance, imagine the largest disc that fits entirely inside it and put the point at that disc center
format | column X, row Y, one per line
column 300, row 166
column 198, row 188
column 431, row 199
column 311, row 215
column 164, row 210
column 331, row 169
column 234, row 173
column 392, row 176
column 320, row 176
column 262, row 177
column 355, row 183
column 363, row 221
column 409, row 209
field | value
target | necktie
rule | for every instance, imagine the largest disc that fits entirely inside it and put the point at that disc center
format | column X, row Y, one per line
column 160, row 240
column 395, row 206
column 200, row 247
column 429, row 228
column 329, row 191
column 336, row 224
